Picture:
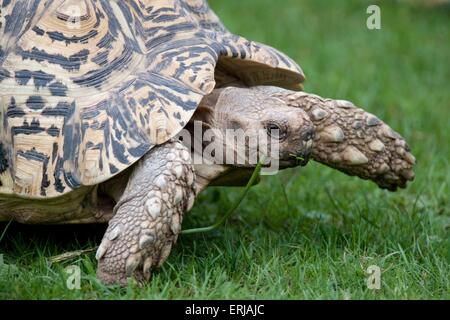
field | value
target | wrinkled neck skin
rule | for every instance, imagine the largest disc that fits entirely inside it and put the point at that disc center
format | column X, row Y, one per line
column 209, row 173
column 235, row 122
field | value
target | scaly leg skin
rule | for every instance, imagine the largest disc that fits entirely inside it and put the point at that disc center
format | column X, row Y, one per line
column 148, row 216
column 352, row 140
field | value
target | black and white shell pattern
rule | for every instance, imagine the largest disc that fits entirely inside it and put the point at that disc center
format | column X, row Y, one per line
column 89, row 86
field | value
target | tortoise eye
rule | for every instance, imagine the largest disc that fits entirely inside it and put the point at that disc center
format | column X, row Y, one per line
column 275, row 131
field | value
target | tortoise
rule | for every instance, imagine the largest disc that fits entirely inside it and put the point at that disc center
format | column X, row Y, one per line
column 94, row 96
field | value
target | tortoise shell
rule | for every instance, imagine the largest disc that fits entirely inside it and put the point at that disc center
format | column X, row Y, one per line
column 88, row 87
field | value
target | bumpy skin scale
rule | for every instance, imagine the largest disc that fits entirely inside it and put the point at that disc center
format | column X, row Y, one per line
column 352, row 140
column 148, row 217
column 88, row 87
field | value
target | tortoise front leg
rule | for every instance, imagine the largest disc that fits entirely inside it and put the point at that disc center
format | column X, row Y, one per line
column 148, row 216
column 352, row 140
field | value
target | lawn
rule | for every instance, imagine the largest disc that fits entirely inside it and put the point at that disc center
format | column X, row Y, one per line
column 308, row 233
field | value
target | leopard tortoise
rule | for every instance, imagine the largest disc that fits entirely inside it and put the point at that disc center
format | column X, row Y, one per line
column 94, row 95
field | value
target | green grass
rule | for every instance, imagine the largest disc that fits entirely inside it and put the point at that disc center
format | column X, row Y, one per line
column 307, row 233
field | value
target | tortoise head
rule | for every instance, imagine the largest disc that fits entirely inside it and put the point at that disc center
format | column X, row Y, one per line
column 244, row 124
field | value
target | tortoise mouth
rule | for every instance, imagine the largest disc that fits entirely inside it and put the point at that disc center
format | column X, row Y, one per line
column 295, row 161
column 299, row 158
